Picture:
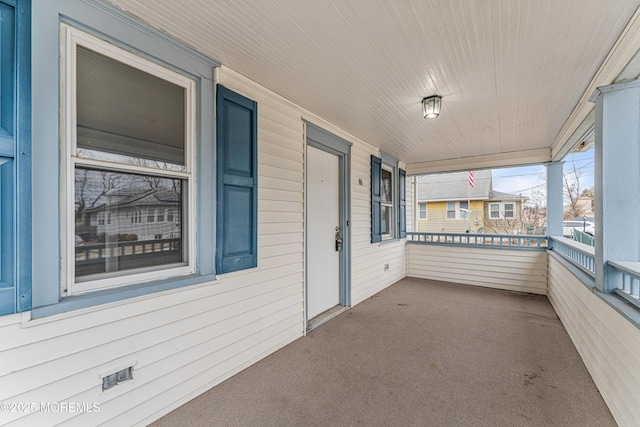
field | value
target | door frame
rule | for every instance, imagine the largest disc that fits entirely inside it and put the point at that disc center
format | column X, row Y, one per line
column 323, row 140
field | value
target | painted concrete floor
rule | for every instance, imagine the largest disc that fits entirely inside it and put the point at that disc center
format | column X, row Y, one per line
column 420, row 353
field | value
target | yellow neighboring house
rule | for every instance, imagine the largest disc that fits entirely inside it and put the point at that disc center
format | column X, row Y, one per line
column 447, row 203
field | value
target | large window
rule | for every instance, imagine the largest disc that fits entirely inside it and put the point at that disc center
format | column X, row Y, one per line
column 129, row 143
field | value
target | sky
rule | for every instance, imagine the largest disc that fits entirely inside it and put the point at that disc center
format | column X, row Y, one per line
column 530, row 181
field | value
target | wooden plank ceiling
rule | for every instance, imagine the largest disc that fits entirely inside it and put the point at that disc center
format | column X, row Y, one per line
column 510, row 71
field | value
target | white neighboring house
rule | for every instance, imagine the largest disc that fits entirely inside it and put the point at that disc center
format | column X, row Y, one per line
column 147, row 214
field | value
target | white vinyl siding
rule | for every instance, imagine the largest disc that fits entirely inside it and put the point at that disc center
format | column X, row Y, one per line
column 608, row 343
column 515, row 270
column 368, row 274
column 219, row 327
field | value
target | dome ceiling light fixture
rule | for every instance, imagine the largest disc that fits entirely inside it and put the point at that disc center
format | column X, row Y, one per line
column 431, row 106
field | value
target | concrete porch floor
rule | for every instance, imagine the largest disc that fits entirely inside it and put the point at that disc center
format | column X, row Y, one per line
column 420, row 353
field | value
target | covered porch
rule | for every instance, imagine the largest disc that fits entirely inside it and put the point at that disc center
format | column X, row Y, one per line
column 421, row 352
column 435, row 329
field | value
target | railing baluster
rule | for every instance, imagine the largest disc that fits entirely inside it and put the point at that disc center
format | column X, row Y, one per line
column 635, row 287
column 479, row 240
column 625, row 276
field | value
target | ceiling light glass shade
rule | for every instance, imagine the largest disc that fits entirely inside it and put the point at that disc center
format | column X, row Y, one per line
column 431, row 106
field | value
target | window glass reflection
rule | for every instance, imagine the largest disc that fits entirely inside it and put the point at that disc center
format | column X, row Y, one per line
column 120, row 221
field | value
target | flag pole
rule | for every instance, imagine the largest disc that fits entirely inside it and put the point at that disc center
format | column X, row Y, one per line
column 468, row 218
column 468, row 207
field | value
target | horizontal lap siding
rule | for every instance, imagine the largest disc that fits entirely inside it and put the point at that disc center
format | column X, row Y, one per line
column 437, row 221
column 608, row 344
column 517, row 270
column 368, row 275
column 185, row 341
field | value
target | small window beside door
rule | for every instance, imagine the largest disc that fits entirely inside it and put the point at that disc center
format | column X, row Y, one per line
column 386, row 215
column 388, row 201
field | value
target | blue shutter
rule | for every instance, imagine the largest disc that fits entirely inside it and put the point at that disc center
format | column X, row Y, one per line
column 376, row 181
column 237, row 183
column 15, row 166
column 403, row 203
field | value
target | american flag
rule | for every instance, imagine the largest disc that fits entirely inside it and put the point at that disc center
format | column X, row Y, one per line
column 471, row 179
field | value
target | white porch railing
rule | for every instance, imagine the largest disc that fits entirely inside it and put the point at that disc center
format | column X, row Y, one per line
column 579, row 254
column 511, row 241
column 626, row 277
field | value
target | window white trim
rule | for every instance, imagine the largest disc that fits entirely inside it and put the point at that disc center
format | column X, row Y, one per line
column 425, row 212
column 447, row 210
column 70, row 38
column 458, row 213
column 512, row 210
column 391, row 206
column 501, row 210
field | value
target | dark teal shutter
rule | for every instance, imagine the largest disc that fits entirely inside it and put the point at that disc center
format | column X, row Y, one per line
column 403, row 203
column 376, row 181
column 15, row 156
column 237, row 183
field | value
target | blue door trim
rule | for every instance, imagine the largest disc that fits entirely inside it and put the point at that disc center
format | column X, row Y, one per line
column 323, row 140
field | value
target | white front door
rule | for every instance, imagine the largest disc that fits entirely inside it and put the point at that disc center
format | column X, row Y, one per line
column 323, row 216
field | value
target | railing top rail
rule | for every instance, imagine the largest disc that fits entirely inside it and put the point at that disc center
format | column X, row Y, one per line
column 508, row 241
column 628, row 282
column 447, row 233
column 629, row 267
column 577, row 246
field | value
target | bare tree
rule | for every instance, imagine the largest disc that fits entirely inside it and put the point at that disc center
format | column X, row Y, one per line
column 572, row 191
column 91, row 187
column 503, row 225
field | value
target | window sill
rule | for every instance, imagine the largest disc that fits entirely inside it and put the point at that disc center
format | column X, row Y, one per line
column 122, row 294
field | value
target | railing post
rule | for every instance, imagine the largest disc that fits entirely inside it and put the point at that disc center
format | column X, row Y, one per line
column 617, row 194
column 555, row 203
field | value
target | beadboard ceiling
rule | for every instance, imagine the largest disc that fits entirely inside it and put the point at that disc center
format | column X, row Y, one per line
column 510, row 72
